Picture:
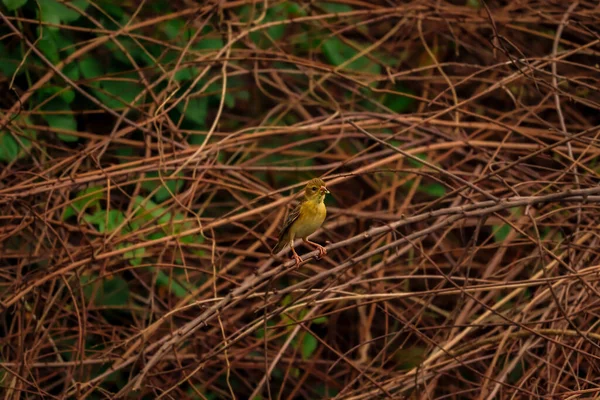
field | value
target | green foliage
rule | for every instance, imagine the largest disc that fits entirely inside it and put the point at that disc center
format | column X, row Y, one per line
column 113, row 291
column 476, row 4
column 9, row 148
column 260, row 332
column 54, row 12
column 88, row 198
column 502, row 231
column 163, row 280
column 415, row 163
column 135, row 256
column 325, row 392
column 90, row 68
column 150, row 211
column 195, row 109
column 337, row 53
column 308, row 345
column 13, row 5
column 278, row 12
column 433, row 189
column 165, row 189
column 9, row 60
column 397, row 102
column 306, row 342
column 105, row 221
column 410, row 357
column 61, row 118
column 119, row 92
column 52, row 43
column 14, row 147
column 335, row 7
column 177, row 28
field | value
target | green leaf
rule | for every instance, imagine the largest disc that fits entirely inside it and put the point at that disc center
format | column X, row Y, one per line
column 286, row 300
column 63, row 121
column 260, row 332
column 175, row 288
column 129, row 47
column 191, row 239
column 135, row 256
column 415, row 163
column 435, row 189
column 196, row 110
column 9, row 148
column 104, row 222
column 196, row 139
column 90, row 68
column 53, row 12
column 151, row 211
column 185, row 74
column 157, row 235
column 85, row 199
column 410, row 357
column 174, row 28
column 336, row 7
column 325, row 392
column 13, row 5
column 8, row 61
column 119, row 93
column 243, row 95
column 476, row 4
column 545, row 232
column 174, row 185
column 278, row 12
column 501, row 232
column 116, row 12
column 320, row 320
column 12, row 148
column 113, row 291
column 397, row 102
column 209, row 43
column 338, row 52
column 123, row 152
column 229, row 100
column 71, row 71
column 305, row 41
column 115, row 218
column 48, row 45
column 309, row 345
column 67, row 94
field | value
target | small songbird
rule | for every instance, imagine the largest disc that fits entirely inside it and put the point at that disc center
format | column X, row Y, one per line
column 305, row 219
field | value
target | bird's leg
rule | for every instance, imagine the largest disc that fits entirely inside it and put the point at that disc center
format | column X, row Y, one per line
column 295, row 255
column 322, row 250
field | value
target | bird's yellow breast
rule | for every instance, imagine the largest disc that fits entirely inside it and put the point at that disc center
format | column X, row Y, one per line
column 312, row 215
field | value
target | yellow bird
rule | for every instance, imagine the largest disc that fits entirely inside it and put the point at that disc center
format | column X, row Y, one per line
column 305, row 219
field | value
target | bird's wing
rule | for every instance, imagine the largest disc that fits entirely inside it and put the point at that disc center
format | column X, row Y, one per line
column 293, row 216
column 283, row 235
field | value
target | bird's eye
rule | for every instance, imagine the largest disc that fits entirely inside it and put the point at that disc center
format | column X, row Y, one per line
column 314, row 188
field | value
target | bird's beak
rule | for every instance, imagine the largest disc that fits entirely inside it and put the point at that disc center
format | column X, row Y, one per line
column 324, row 190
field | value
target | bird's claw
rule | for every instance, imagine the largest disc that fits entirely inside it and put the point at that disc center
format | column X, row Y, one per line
column 322, row 252
column 298, row 260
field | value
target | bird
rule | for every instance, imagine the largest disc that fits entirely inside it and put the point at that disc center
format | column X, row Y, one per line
column 305, row 219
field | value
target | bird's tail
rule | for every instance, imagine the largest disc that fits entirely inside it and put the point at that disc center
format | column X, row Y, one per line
column 279, row 246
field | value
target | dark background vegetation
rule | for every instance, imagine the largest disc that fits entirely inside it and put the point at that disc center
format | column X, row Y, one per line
column 149, row 152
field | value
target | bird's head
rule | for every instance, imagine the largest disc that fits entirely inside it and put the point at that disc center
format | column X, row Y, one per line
column 315, row 190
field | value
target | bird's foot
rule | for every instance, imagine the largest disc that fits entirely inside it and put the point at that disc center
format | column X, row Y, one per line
column 298, row 260
column 322, row 252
